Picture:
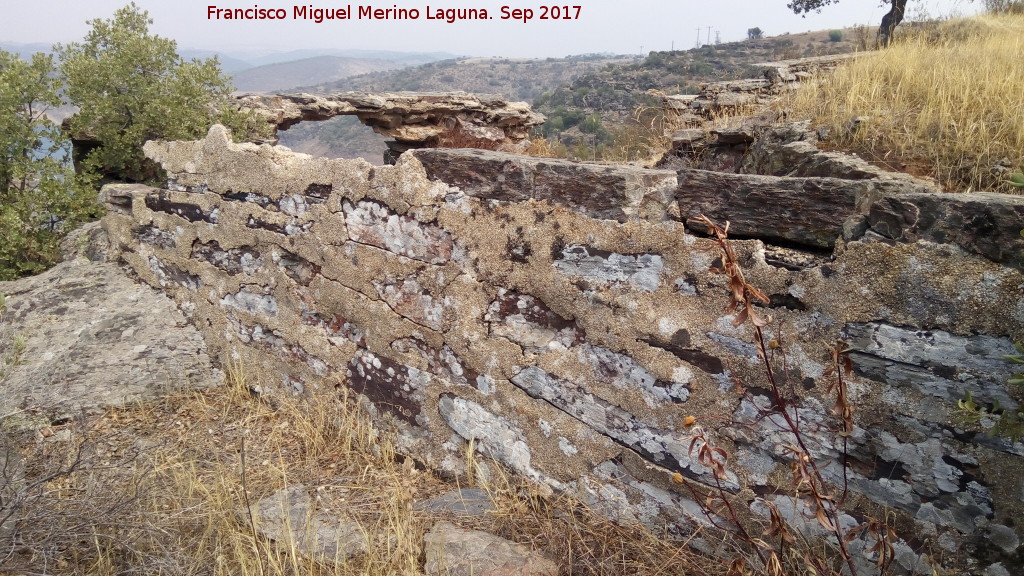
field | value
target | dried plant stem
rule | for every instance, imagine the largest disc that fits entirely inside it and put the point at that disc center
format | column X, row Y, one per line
column 807, row 476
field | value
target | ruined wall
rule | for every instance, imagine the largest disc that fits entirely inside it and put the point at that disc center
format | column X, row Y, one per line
column 563, row 317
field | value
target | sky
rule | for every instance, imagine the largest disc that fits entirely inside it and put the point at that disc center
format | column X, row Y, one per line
column 615, row 26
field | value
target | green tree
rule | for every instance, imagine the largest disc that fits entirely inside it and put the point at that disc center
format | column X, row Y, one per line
column 132, row 86
column 890, row 21
column 39, row 196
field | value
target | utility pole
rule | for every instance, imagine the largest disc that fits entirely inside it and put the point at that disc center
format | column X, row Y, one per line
column 709, row 35
column 697, row 45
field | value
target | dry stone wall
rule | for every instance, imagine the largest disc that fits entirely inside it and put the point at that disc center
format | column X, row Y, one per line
column 564, row 318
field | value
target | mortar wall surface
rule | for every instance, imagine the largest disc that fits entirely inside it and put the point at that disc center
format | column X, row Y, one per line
column 562, row 317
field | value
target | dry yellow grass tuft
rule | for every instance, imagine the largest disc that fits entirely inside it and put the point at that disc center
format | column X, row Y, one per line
column 943, row 101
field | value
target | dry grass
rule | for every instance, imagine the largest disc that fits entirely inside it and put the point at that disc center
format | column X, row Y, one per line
column 163, row 489
column 943, row 101
column 546, row 148
column 639, row 138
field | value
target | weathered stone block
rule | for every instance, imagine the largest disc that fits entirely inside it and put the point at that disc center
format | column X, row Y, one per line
column 804, row 211
column 984, row 223
column 557, row 316
column 605, row 192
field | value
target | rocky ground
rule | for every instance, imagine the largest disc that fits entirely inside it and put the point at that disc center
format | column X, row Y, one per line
column 124, row 451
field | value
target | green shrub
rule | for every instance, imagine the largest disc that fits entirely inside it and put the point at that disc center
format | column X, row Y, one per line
column 132, row 86
column 40, row 197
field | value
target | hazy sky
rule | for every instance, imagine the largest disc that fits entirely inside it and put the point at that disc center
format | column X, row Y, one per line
column 618, row 26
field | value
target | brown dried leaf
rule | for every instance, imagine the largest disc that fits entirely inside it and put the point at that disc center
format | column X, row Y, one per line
column 822, row 517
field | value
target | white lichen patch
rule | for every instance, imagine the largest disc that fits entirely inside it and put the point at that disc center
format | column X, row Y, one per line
column 258, row 304
column 641, row 271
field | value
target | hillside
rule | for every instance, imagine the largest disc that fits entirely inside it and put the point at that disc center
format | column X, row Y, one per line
column 570, row 91
column 403, row 58
column 683, row 71
column 289, row 75
column 515, row 79
column 478, row 359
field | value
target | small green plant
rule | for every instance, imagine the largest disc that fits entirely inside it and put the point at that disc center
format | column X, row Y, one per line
column 18, row 345
column 835, row 36
column 1017, row 181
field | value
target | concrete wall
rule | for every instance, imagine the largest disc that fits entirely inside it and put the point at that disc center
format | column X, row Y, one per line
column 562, row 316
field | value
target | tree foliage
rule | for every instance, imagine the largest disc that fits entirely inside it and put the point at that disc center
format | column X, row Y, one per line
column 132, row 86
column 889, row 23
column 39, row 195
column 805, row 6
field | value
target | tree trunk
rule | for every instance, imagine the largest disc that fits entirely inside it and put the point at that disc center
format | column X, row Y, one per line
column 890, row 21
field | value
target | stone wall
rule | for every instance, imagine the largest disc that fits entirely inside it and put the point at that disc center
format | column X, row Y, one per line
column 564, row 318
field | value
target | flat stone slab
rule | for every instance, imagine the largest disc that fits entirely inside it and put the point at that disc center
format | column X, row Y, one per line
column 463, row 502
column 83, row 335
column 454, row 551
column 985, row 223
column 803, row 211
column 607, row 192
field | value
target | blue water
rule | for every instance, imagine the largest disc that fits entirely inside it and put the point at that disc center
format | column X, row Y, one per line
column 61, row 154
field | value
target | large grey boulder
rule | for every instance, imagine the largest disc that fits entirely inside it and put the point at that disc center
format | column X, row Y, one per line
column 83, row 335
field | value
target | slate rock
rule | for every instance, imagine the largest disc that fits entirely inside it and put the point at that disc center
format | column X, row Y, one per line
column 83, row 335
column 985, row 223
column 454, row 551
column 464, row 502
column 619, row 193
column 289, row 516
column 803, row 211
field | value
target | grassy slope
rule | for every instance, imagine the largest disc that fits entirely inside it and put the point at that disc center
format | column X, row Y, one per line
column 944, row 102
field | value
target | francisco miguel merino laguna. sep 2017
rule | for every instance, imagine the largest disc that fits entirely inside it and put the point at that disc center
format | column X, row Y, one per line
column 450, row 15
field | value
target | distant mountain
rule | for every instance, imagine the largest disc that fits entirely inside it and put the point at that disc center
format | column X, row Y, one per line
column 403, row 58
column 228, row 64
column 289, row 75
column 516, row 79
column 25, row 51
